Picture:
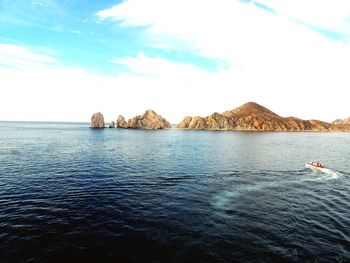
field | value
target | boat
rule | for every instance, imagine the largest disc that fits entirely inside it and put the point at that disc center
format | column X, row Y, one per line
column 317, row 166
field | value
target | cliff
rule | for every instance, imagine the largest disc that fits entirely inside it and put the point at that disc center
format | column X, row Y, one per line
column 254, row 117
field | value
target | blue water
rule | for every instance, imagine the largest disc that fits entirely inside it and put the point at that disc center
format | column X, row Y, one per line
column 68, row 192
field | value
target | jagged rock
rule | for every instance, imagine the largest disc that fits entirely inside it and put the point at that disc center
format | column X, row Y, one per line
column 112, row 124
column 121, row 123
column 197, row 123
column 254, row 117
column 217, row 121
column 337, row 121
column 341, row 122
column 340, row 127
column 97, row 121
column 317, row 125
column 185, row 123
column 149, row 120
column 346, row 121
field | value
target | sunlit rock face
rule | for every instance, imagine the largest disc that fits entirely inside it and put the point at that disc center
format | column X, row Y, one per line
column 251, row 117
column 97, row 121
column 149, row 120
column 121, row 123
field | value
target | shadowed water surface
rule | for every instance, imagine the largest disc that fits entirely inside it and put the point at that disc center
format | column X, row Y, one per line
column 69, row 192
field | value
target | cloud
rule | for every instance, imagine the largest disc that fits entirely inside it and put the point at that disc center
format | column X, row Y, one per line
column 270, row 57
column 158, row 67
column 179, row 89
column 50, row 91
column 240, row 34
column 46, row 90
column 16, row 56
column 333, row 15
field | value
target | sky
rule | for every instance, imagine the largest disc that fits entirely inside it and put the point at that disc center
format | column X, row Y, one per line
column 62, row 60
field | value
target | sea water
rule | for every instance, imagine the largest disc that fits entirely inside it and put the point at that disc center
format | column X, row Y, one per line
column 68, row 192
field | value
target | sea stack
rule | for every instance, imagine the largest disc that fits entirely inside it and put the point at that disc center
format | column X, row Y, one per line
column 121, row 123
column 149, row 120
column 97, row 121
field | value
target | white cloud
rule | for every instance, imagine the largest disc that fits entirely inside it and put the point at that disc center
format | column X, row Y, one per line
column 20, row 57
column 333, row 15
column 285, row 65
column 159, row 67
column 241, row 34
column 51, row 92
column 273, row 61
column 34, row 87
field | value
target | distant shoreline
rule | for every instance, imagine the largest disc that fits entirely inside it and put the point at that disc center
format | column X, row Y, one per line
column 248, row 117
column 174, row 128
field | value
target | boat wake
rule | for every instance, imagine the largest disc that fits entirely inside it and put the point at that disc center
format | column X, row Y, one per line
column 322, row 172
column 325, row 175
column 226, row 197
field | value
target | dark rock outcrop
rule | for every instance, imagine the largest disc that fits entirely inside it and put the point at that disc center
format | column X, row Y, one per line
column 97, row 121
column 112, row 124
column 149, row 120
column 252, row 117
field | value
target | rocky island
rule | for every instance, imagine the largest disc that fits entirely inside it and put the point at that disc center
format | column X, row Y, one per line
column 254, row 117
column 248, row 117
column 149, row 120
column 97, row 121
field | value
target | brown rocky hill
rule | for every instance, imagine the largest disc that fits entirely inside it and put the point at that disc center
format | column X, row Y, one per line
column 254, row 117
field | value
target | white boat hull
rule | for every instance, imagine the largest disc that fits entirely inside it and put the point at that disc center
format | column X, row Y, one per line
column 321, row 169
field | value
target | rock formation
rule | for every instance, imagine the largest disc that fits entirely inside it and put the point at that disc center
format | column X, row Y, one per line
column 112, row 124
column 252, row 117
column 185, row 123
column 248, row 117
column 341, row 125
column 97, row 121
column 341, row 122
column 121, row 123
column 149, row 120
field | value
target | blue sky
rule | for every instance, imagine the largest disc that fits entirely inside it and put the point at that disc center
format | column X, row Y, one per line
column 72, row 32
column 158, row 52
column 67, row 30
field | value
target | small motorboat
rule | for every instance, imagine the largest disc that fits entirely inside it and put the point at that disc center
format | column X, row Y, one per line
column 317, row 166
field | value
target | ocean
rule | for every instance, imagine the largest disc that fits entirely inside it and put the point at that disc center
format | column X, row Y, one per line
column 71, row 193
